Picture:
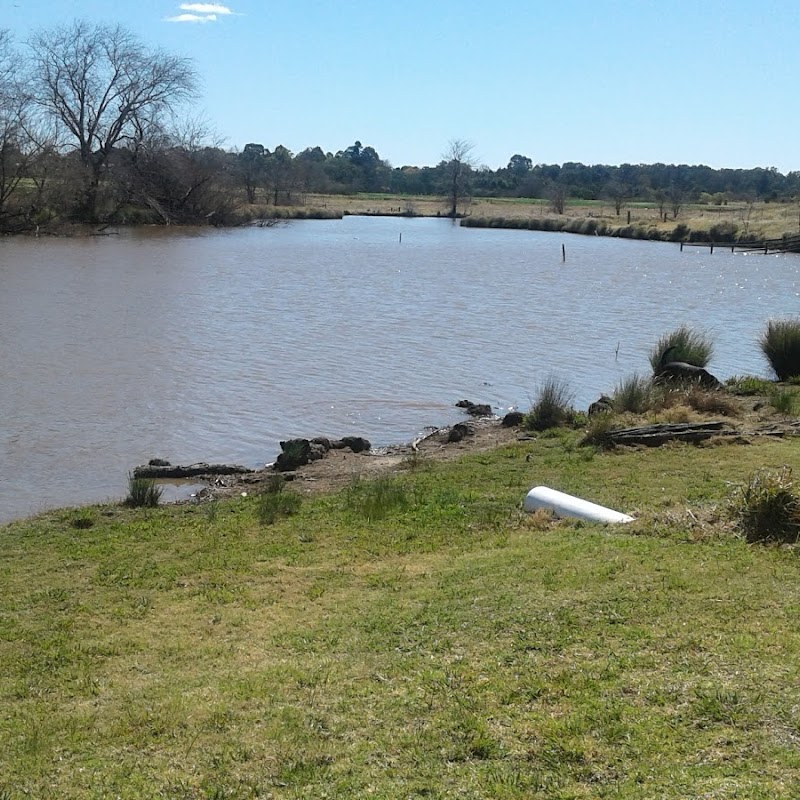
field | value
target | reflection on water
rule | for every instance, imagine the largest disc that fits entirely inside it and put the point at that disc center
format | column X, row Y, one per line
column 214, row 345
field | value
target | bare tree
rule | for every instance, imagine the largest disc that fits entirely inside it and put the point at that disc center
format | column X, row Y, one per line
column 458, row 161
column 181, row 175
column 11, row 110
column 22, row 140
column 677, row 198
column 558, row 198
column 102, row 85
column 618, row 194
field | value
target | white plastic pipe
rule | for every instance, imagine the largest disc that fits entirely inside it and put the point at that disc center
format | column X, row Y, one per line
column 565, row 505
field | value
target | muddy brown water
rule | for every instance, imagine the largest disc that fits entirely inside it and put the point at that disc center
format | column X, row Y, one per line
column 214, row 345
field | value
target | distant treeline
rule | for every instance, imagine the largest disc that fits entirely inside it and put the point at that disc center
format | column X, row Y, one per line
column 93, row 128
column 191, row 182
column 361, row 169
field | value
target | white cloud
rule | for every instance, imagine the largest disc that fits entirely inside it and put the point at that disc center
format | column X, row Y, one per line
column 201, row 12
column 206, row 8
column 191, row 18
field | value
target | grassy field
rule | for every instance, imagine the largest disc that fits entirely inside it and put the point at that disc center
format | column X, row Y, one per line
column 418, row 636
column 751, row 221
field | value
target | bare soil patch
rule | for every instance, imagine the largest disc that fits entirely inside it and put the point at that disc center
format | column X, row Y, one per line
column 339, row 468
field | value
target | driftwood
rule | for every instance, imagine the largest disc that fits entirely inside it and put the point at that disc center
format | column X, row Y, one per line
column 190, row 471
column 655, row 435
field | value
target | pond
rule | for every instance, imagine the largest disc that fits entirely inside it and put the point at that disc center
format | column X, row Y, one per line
column 213, row 345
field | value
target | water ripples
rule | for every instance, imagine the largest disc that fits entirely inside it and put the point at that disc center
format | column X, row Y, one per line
column 215, row 345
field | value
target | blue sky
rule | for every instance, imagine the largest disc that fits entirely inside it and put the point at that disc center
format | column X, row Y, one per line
column 595, row 81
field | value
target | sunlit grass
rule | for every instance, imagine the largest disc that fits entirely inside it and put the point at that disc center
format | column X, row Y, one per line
column 449, row 646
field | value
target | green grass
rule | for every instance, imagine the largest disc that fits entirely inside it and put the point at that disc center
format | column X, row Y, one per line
column 784, row 400
column 450, row 647
column 748, row 385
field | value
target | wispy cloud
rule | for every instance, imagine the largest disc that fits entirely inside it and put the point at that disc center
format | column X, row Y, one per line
column 200, row 12
column 191, row 18
column 206, row 8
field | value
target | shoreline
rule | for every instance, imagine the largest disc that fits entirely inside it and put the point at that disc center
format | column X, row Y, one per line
column 343, row 467
column 338, row 469
column 696, row 223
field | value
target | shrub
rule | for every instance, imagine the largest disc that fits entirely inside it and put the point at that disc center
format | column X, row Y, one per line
column 633, row 394
column 691, row 346
column 780, row 343
column 767, row 507
column 553, row 406
column 679, row 233
column 142, row 492
column 724, row 231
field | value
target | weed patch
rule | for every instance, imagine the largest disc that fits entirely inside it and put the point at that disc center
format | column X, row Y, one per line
column 767, row 507
column 377, row 499
column 142, row 492
column 275, row 504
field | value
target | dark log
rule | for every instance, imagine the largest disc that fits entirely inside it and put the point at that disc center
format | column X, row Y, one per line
column 189, row 471
column 655, row 435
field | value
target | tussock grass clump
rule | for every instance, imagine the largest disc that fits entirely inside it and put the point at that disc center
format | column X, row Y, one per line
column 553, row 406
column 375, row 500
column 780, row 343
column 142, row 492
column 690, row 345
column 634, row 394
column 767, row 507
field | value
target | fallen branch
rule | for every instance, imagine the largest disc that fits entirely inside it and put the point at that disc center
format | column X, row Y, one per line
column 655, row 435
column 190, row 471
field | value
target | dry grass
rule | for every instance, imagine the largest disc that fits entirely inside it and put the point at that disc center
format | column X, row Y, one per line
column 756, row 221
